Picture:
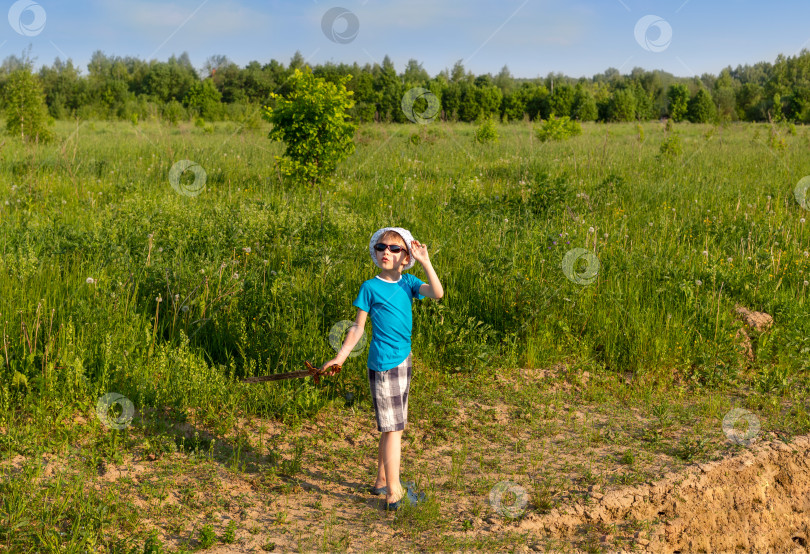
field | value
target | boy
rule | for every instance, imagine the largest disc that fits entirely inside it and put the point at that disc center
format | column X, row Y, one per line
column 388, row 298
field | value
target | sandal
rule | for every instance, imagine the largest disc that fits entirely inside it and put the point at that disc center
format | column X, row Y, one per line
column 384, row 490
column 411, row 497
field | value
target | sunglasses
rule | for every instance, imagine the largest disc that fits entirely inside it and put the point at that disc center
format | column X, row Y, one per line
column 394, row 248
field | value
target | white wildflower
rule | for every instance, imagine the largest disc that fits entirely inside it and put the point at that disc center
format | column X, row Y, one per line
column 698, row 282
column 90, row 280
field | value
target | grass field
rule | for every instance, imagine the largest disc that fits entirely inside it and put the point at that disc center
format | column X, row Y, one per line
column 114, row 281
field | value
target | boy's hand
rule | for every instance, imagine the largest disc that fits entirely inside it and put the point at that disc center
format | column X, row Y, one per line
column 419, row 252
column 333, row 363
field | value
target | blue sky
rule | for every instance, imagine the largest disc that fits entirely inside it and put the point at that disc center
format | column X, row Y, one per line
column 531, row 37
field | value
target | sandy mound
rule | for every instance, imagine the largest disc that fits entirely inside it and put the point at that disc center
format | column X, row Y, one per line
column 758, row 501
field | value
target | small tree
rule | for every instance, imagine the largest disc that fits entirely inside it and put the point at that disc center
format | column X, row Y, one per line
column 26, row 112
column 701, row 108
column 486, row 131
column 561, row 128
column 204, row 100
column 678, row 96
column 312, row 122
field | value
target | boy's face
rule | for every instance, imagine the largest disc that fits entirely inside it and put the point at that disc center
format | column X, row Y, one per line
column 389, row 260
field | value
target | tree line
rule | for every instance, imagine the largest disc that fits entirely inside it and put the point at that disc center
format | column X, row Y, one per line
column 129, row 88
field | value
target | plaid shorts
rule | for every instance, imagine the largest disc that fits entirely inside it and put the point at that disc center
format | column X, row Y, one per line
column 389, row 394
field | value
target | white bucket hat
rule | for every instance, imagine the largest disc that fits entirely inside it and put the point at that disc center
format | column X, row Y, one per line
column 375, row 238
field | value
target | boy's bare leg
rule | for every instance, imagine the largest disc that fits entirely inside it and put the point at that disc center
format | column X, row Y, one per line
column 381, row 463
column 391, row 462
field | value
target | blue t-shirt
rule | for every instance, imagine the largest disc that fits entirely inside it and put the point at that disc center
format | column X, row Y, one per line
column 389, row 305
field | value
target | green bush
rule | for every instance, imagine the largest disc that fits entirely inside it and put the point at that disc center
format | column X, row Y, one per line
column 486, row 132
column 558, row 129
column 313, row 122
column 671, row 147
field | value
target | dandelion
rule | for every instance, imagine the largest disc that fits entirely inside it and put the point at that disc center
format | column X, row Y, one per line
column 806, row 283
column 698, row 282
column 184, row 309
column 246, row 249
column 729, row 260
column 176, row 297
column 266, row 262
column 160, row 249
column 705, row 252
column 806, row 253
column 202, row 271
column 749, row 258
column 273, row 272
column 90, row 280
column 64, row 201
column 159, row 298
column 801, row 220
column 605, row 235
column 650, row 223
column 590, row 229
column 236, row 276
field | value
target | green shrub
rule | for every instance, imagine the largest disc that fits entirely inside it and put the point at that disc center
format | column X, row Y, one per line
column 486, row 132
column 313, row 122
column 671, row 147
column 558, row 129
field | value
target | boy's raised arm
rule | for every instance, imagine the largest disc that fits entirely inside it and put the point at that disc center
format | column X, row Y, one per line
column 420, row 253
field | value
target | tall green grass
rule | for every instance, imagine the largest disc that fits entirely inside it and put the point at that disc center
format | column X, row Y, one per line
column 191, row 293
